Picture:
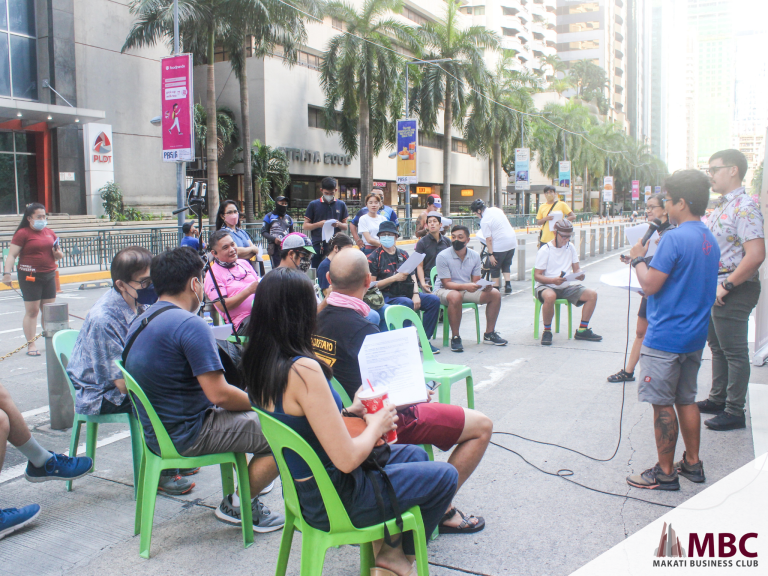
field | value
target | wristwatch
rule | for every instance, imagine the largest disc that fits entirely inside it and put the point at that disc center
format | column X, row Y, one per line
column 728, row 285
column 636, row 261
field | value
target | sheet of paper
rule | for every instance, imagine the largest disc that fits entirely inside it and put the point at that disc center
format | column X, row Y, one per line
column 328, row 229
column 445, row 221
column 635, row 233
column 621, row 279
column 574, row 275
column 556, row 215
column 480, row 236
column 410, row 265
column 392, row 359
column 483, row 283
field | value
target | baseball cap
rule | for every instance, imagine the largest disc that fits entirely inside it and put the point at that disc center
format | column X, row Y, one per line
column 296, row 240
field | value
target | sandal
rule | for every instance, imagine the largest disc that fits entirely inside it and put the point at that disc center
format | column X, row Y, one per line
column 466, row 526
column 33, row 353
column 622, row 376
column 376, row 571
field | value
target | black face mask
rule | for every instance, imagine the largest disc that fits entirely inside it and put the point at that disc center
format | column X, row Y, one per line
column 458, row 245
column 227, row 265
column 280, row 210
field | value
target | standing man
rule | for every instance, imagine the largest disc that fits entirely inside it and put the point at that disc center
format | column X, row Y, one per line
column 277, row 225
column 737, row 225
column 388, row 212
column 500, row 239
column 431, row 245
column 318, row 211
column 681, row 284
column 553, row 204
column 434, row 203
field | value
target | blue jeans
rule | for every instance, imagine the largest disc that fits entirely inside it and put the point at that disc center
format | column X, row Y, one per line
column 373, row 317
column 430, row 304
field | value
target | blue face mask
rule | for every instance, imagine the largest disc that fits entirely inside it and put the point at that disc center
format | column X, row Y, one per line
column 39, row 224
column 387, row 241
column 146, row 296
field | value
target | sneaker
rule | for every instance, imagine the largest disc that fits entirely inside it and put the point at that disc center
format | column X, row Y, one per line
column 263, row 519
column 726, row 421
column 189, row 471
column 175, row 485
column 12, row 519
column 59, row 467
column 709, row 407
column 694, row 472
column 587, row 334
column 456, row 345
column 268, row 489
column 546, row 338
column 622, row 376
column 655, row 479
column 434, row 349
column 494, row 338
column 508, row 289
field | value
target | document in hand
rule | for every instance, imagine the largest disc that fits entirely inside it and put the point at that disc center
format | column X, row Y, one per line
column 574, row 276
column 410, row 265
column 635, row 233
column 328, row 229
column 392, row 359
column 445, row 221
column 621, row 279
column 556, row 215
column 483, row 283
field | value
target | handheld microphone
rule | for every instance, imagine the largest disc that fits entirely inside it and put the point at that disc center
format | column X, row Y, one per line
column 653, row 226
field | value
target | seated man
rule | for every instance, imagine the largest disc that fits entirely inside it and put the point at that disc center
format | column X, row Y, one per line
column 296, row 252
column 341, row 329
column 98, row 382
column 43, row 465
column 554, row 260
column 236, row 279
column 458, row 271
column 174, row 358
column 191, row 235
column 389, row 212
column 397, row 287
column 431, row 245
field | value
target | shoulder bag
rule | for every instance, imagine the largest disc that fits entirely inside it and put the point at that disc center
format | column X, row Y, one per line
column 547, row 223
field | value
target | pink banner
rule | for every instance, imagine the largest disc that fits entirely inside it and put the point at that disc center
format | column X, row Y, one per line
column 177, row 102
column 635, row 189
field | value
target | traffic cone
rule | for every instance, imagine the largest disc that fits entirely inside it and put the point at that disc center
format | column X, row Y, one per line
column 58, row 283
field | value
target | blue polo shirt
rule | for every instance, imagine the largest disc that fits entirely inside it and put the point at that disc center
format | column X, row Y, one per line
column 319, row 210
column 240, row 236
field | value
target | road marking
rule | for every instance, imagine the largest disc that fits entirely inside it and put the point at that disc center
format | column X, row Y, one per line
column 35, row 412
column 14, row 312
column 498, row 372
column 15, row 330
column 18, row 470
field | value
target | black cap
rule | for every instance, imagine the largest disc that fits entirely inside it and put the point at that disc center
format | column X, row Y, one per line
column 477, row 205
column 388, row 226
column 281, row 198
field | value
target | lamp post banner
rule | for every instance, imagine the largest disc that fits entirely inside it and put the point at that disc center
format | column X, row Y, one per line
column 564, row 179
column 608, row 189
column 522, row 166
column 647, row 193
column 176, row 96
column 635, row 190
column 407, row 149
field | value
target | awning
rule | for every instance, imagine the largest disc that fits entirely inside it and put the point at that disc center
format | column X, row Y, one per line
column 52, row 114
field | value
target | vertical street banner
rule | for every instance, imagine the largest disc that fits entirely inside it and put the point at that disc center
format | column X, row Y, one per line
column 522, row 164
column 608, row 189
column 647, row 193
column 635, row 190
column 177, row 106
column 657, row 190
column 564, row 178
column 407, row 149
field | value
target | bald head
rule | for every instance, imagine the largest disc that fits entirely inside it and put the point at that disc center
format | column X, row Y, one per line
column 349, row 271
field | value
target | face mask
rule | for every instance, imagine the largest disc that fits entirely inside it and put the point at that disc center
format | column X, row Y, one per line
column 39, row 224
column 280, row 209
column 232, row 220
column 458, row 245
column 226, row 264
column 329, row 198
column 146, row 296
column 199, row 306
column 387, row 241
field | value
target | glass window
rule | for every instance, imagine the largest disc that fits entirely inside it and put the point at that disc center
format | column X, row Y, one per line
column 6, row 141
column 18, row 171
column 7, row 185
column 22, row 16
column 24, row 67
column 26, row 174
column 5, row 67
column 479, row 10
column 25, row 143
column 3, row 16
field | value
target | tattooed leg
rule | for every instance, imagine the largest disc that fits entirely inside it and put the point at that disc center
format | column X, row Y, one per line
column 666, row 428
column 690, row 428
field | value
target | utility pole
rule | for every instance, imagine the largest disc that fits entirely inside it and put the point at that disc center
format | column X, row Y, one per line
column 180, row 201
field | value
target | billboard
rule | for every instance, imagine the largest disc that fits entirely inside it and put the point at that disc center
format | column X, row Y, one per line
column 635, row 190
column 407, row 147
column 177, row 118
column 608, row 189
column 99, row 164
column 564, row 178
column 522, row 164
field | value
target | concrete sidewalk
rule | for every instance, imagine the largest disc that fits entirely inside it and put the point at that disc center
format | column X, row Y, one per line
column 536, row 523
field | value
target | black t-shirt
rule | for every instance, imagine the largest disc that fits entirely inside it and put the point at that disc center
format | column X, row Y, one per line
column 318, row 210
column 383, row 265
column 338, row 339
column 431, row 248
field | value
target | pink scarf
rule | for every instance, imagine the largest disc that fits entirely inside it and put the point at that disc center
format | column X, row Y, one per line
column 344, row 301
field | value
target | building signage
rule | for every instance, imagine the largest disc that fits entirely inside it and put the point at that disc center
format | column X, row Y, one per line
column 522, row 163
column 635, row 190
column 423, row 189
column 564, row 180
column 177, row 119
column 608, row 189
column 647, row 193
column 66, row 176
column 99, row 164
column 379, row 184
column 469, row 192
column 407, row 145
column 316, row 156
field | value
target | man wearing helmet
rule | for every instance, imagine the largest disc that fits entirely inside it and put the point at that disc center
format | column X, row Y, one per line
column 499, row 238
column 554, row 260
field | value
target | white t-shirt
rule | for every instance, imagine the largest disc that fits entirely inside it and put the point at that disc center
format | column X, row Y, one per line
column 495, row 225
column 370, row 225
column 556, row 260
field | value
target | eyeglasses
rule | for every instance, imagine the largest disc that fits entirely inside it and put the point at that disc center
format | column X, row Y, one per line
column 712, row 170
column 649, row 208
column 146, row 283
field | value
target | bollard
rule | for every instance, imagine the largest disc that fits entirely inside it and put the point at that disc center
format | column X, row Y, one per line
column 592, row 243
column 621, row 233
column 520, row 259
column 616, row 237
column 609, row 235
column 601, row 242
column 62, row 408
column 583, row 245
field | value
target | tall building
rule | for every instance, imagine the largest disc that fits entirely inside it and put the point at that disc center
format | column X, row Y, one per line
column 636, row 24
column 659, row 51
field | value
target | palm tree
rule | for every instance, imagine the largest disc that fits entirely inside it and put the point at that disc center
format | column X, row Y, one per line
column 555, row 64
column 226, row 128
column 559, row 138
column 270, row 170
column 446, row 85
column 590, row 82
column 360, row 73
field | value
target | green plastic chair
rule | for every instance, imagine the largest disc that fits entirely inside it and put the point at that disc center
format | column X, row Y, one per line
column 169, row 459
column 558, row 302
column 444, row 310
column 314, row 542
column 63, row 344
column 445, row 374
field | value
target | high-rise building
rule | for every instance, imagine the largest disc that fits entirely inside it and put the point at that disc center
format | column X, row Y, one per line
column 635, row 63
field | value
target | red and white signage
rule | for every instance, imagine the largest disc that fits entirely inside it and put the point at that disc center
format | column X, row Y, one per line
column 99, row 163
column 177, row 103
column 635, row 190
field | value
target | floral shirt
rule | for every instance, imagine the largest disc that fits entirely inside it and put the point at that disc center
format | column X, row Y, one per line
column 735, row 219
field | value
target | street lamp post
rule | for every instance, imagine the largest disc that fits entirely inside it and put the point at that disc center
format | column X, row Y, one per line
column 179, row 165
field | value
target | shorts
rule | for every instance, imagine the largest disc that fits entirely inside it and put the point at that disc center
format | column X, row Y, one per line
column 641, row 313
column 571, row 293
column 503, row 262
column 43, row 287
column 668, row 378
column 473, row 297
column 225, row 431
column 431, row 423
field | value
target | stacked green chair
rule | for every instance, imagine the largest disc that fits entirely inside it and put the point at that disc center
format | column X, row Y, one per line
column 558, row 302
column 314, row 542
column 445, row 374
column 63, row 344
column 169, row 459
column 444, row 310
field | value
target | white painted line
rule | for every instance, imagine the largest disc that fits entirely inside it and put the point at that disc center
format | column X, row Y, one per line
column 35, row 412
column 15, row 312
column 498, row 372
column 15, row 330
column 18, row 470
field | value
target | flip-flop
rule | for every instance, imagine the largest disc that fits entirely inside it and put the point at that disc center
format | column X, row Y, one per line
column 466, row 527
column 33, row 353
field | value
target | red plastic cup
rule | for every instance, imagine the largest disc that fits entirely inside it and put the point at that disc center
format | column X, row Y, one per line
column 375, row 400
